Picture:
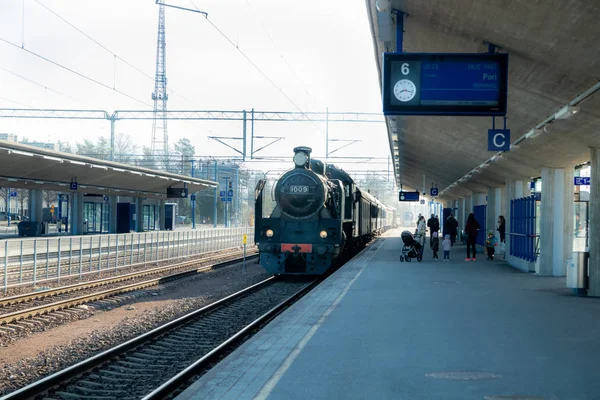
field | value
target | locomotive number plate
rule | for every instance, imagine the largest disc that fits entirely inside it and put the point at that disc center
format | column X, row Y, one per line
column 299, row 189
column 302, row 248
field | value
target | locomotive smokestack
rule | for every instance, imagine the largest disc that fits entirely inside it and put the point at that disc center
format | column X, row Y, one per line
column 302, row 157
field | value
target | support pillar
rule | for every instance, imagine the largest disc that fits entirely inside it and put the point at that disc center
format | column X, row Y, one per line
column 161, row 215
column 112, row 220
column 468, row 207
column 139, row 214
column 594, row 226
column 556, row 221
column 35, row 205
column 76, row 220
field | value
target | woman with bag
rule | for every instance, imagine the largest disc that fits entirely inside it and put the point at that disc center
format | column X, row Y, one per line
column 471, row 229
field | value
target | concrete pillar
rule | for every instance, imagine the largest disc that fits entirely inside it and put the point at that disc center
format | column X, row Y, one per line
column 76, row 219
column 519, row 192
column 490, row 216
column 112, row 220
column 468, row 207
column 139, row 214
column 594, row 227
column 479, row 199
column 556, row 221
column 161, row 215
column 35, row 205
column 462, row 217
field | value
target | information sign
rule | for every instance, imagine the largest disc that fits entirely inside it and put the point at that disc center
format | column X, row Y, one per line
column 409, row 196
column 498, row 139
column 582, row 180
column 222, row 194
column 13, row 193
column 244, row 238
column 193, row 197
column 229, row 199
column 434, row 192
column 223, row 199
column 73, row 186
column 445, row 84
column 230, row 193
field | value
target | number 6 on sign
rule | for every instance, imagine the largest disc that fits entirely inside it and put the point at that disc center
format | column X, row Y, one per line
column 405, row 70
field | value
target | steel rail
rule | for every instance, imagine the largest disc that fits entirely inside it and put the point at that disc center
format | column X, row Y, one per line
column 68, row 303
column 55, row 379
column 6, row 301
column 178, row 380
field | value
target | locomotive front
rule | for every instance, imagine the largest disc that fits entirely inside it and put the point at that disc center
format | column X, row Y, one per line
column 303, row 234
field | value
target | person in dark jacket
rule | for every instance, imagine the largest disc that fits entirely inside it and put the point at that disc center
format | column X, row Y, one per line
column 451, row 228
column 501, row 228
column 434, row 226
column 471, row 229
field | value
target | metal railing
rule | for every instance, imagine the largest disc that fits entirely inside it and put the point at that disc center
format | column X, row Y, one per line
column 35, row 261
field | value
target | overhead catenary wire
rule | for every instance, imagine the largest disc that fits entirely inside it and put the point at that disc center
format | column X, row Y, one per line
column 16, row 102
column 43, row 86
column 282, row 56
column 116, row 56
column 73, row 71
column 257, row 67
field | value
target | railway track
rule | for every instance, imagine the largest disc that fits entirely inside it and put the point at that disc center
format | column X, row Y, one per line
column 156, row 363
column 34, row 304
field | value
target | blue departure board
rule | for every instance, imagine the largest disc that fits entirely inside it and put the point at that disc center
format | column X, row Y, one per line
column 445, row 84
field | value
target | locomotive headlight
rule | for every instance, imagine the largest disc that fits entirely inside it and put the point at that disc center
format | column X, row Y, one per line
column 323, row 234
column 300, row 159
column 269, row 233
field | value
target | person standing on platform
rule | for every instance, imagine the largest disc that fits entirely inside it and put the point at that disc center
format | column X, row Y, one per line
column 421, row 230
column 446, row 245
column 435, row 245
column 501, row 228
column 471, row 230
column 451, row 228
column 434, row 226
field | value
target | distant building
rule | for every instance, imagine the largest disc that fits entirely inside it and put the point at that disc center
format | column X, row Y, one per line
column 11, row 137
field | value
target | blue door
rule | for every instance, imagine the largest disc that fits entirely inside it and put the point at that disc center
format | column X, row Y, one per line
column 479, row 212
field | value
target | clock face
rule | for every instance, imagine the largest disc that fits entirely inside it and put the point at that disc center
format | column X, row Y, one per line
column 405, row 90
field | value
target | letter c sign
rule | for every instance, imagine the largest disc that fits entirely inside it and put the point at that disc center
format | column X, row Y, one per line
column 498, row 139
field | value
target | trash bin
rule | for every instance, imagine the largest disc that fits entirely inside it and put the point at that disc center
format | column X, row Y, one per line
column 577, row 272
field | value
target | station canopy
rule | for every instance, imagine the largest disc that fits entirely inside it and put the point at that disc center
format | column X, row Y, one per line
column 553, row 86
column 27, row 167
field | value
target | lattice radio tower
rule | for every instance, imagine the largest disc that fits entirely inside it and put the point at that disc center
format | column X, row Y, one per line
column 160, row 136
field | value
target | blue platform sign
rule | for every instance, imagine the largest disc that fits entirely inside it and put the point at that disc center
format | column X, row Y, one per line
column 222, row 194
column 433, row 192
column 445, row 84
column 409, row 196
column 229, row 199
column 582, row 180
column 498, row 139
column 13, row 194
column 73, row 186
column 193, row 197
column 230, row 193
column 223, row 199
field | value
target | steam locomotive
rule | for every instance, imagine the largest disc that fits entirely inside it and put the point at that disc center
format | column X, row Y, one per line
column 320, row 214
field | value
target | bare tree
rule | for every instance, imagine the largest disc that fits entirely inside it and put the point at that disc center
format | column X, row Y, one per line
column 50, row 197
column 125, row 148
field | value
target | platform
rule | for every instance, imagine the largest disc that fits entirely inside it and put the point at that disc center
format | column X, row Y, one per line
column 381, row 329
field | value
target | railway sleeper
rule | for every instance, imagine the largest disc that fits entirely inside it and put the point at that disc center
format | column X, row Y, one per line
column 98, row 391
column 67, row 395
column 92, row 384
column 127, row 363
column 142, row 358
column 117, row 369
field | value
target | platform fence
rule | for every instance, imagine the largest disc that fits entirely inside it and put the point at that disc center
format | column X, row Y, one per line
column 38, row 261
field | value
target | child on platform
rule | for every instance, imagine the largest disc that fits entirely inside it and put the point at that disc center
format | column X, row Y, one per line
column 446, row 245
column 490, row 243
column 435, row 245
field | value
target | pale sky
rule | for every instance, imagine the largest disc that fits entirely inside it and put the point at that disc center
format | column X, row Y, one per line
column 319, row 53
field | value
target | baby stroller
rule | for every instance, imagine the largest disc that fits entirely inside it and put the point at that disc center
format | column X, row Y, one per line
column 412, row 247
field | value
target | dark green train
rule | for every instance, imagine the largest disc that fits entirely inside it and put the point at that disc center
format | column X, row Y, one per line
column 319, row 215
